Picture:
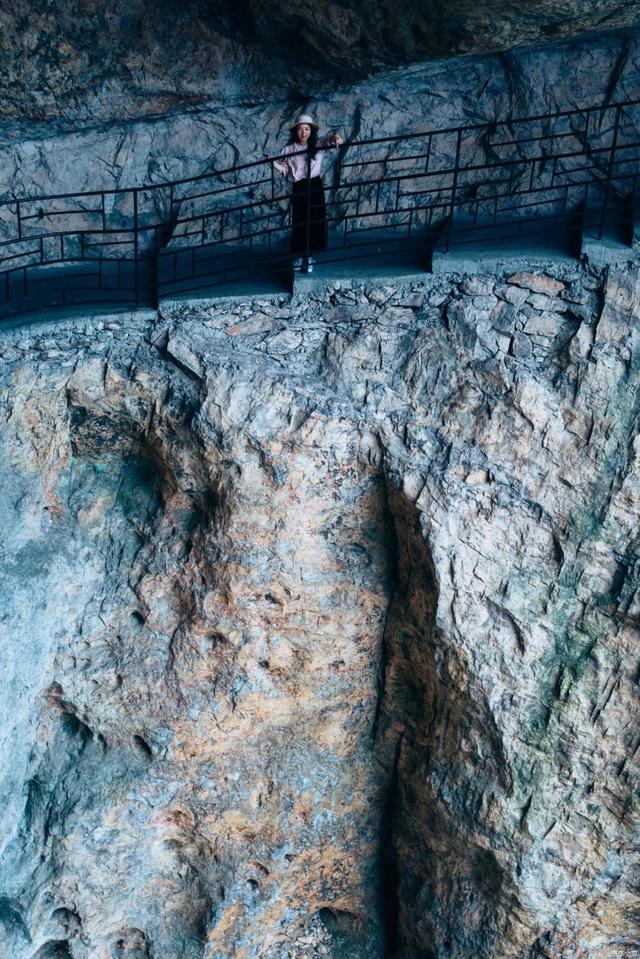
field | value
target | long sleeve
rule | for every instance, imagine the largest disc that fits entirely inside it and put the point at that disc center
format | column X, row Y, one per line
column 285, row 166
column 282, row 166
column 296, row 163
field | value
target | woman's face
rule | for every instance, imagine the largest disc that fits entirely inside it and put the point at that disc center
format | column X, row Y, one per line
column 303, row 132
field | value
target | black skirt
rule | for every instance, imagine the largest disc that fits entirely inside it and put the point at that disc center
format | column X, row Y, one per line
column 308, row 217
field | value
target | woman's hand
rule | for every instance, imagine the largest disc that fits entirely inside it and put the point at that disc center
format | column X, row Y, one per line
column 336, row 139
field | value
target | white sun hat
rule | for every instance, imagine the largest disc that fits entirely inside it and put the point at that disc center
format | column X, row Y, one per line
column 303, row 118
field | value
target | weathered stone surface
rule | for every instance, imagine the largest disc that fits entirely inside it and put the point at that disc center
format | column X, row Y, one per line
column 541, row 285
column 132, row 58
column 57, row 157
column 324, row 637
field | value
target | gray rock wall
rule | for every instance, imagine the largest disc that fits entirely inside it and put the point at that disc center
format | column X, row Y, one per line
column 58, row 156
column 320, row 625
column 127, row 59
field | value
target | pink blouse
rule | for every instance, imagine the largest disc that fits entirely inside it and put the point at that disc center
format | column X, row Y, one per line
column 296, row 166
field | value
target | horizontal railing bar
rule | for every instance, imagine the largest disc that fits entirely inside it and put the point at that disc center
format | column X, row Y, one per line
column 422, row 156
column 594, row 111
column 78, row 232
column 110, row 243
column 49, row 213
column 425, row 133
column 18, row 256
column 370, row 182
column 364, row 215
column 386, row 159
column 399, row 178
column 509, row 196
column 555, row 188
column 548, row 136
column 40, row 198
column 226, row 189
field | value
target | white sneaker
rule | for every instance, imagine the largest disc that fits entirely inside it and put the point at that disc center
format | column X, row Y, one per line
column 297, row 264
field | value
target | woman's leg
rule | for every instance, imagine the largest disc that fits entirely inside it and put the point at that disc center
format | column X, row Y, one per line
column 318, row 211
column 299, row 204
column 308, row 219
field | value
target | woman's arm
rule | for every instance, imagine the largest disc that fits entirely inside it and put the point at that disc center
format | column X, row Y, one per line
column 331, row 140
column 284, row 166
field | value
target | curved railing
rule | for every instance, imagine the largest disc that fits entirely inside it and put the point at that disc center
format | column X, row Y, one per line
column 405, row 195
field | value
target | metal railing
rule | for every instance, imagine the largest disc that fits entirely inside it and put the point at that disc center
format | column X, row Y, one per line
column 553, row 174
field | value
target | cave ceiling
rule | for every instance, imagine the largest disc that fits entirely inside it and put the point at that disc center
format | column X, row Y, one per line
column 131, row 58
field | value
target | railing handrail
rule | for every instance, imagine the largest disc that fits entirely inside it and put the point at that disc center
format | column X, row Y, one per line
column 270, row 159
column 409, row 136
column 134, row 244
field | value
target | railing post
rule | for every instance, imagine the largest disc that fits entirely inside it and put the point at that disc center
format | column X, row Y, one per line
column 576, row 167
column 612, row 155
column 454, row 187
column 308, row 217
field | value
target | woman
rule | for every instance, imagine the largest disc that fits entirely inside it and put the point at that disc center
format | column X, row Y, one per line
column 304, row 155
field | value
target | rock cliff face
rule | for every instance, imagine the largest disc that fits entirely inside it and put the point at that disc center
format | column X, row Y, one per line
column 128, row 58
column 320, row 619
column 58, row 156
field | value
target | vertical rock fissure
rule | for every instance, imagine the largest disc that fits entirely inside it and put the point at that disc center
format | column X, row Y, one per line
column 392, row 555
column 388, row 904
column 406, row 696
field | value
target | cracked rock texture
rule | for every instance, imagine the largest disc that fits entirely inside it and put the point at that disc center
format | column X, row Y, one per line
column 129, row 58
column 319, row 625
column 97, row 152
